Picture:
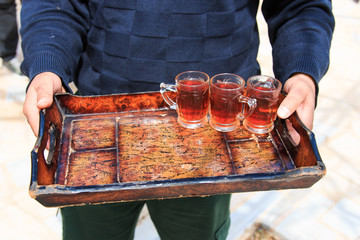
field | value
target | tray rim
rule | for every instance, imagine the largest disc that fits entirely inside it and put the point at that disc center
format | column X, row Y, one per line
column 41, row 192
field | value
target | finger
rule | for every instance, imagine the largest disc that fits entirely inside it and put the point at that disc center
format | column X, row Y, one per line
column 45, row 94
column 295, row 136
column 289, row 105
column 306, row 114
column 31, row 111
column 303, row 104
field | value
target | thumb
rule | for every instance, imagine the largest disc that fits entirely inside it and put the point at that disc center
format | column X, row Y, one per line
column 45, row 96
column 289, row 105
column 48, row 85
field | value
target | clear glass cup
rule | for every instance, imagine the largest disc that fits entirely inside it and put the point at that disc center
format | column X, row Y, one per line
column 226, row 99
column 266, row 91
column 192, row 98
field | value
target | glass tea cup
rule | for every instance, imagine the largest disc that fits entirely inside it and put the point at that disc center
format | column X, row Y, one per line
column 192, row 98
column 226, row 99
column 266, row 91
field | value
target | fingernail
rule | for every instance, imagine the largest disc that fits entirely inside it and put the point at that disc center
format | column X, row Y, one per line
column 283, row 112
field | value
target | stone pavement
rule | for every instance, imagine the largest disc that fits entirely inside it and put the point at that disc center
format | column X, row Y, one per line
column 328, row 210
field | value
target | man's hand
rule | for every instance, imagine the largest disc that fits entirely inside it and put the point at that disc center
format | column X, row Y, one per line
column 300, row 89
column 39, row 96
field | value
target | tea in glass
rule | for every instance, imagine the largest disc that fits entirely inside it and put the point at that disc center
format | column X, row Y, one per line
column 266, row 91
column 192, row 98
column 226, row 98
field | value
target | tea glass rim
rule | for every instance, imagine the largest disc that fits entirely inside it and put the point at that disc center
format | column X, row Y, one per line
column 264, row 77
column 228, row 89
column 205, row 82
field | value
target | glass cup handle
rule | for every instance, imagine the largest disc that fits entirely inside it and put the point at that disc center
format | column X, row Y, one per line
column 251, row 102
column 163, row 88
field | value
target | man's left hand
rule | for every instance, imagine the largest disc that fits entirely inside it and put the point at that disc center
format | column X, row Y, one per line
column 300, row 89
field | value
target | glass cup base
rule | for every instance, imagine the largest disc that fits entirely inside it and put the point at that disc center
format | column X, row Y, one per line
column 257, row 130
column 224, row 127
column 191, row 124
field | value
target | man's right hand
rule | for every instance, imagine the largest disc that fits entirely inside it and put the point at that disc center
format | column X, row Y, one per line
column 39, row 96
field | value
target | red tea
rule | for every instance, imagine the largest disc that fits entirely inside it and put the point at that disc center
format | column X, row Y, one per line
column 224, row 102
column 266, row 107
column 192, row 99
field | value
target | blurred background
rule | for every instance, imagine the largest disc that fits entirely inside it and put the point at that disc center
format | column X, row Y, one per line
column 328, row 210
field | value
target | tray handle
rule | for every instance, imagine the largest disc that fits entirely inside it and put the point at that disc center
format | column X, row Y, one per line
column 304, row 152
column 52, row 143
column 35, row 150
column 43, row 168
column 48, row 140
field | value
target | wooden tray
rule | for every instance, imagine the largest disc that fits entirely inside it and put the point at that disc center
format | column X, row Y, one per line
column 129, row 147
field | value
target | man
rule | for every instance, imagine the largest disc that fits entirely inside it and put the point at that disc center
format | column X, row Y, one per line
column 131, row 46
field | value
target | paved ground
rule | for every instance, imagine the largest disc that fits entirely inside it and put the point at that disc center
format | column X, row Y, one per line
column 328, row 210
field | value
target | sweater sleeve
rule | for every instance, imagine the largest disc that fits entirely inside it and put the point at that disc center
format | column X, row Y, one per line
column 300, row 32
column 53, row 35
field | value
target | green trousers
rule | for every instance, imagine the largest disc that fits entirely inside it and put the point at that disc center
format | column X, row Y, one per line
column 198, row 218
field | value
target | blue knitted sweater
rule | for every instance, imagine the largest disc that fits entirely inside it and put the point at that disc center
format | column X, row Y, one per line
column 118, row 46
